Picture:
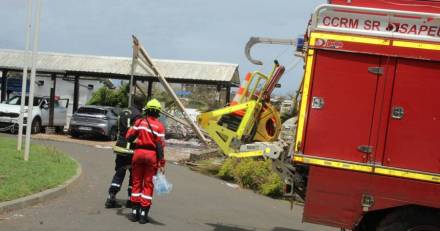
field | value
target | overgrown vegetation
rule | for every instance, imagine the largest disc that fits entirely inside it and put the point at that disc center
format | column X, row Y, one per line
column 46, row 168
column 110, row 97
column 253, row 174
column 201, row 98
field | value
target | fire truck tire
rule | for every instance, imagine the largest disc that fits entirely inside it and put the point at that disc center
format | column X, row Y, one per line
column 411, row 219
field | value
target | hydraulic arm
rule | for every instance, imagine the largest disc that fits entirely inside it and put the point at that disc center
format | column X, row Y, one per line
column 249, row 118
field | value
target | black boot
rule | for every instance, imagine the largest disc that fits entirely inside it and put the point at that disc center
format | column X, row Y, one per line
column 111, row 201
column 134, row 215
column 143, row 218
column 128, row 204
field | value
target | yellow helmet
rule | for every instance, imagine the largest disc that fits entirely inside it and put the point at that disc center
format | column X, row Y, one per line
column 153, row 104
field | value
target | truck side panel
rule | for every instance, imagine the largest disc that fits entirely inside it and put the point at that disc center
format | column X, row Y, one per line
column 346, row 89
column 334, row 196
column 413, row 141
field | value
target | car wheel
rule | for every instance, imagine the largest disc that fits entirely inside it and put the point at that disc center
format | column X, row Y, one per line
column 13, row 129
column 36, row 126
column 112, row 135
column 59, row 129
column 74, row 134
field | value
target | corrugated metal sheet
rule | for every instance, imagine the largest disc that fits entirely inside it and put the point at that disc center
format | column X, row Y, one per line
column 174, row 69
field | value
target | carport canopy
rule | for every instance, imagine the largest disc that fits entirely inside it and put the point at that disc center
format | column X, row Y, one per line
column 223, row 75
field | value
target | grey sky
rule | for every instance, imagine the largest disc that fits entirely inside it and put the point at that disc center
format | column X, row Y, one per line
column 169, row 29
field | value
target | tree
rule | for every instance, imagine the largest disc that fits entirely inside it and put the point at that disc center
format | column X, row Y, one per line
column 110, row 97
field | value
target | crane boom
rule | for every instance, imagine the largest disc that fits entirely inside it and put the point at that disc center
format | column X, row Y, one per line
column 256, row 40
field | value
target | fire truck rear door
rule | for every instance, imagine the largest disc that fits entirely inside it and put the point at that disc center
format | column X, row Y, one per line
column 342, row 104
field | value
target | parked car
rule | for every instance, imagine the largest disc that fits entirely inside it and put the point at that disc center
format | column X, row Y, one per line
column 10, row 111
column 95, row 121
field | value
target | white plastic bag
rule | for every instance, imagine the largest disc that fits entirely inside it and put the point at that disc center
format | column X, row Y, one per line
column 161, row 185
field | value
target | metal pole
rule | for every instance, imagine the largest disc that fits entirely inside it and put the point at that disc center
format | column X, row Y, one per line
column 32, row 84
column 25, row 74
column 4, row 85
column 75, row 94
column 52, row 101
column 228, row 94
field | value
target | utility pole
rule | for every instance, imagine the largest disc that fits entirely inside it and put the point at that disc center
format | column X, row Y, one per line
column 25, row 73
column 32, row 81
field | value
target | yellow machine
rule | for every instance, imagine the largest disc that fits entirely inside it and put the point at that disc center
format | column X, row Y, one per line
column 249, row 118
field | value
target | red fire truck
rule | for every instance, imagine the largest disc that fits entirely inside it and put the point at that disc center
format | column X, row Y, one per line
column 369, row 123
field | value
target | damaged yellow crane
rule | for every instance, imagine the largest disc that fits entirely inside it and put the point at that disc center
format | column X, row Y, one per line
column 250, row 125
column 249, row 118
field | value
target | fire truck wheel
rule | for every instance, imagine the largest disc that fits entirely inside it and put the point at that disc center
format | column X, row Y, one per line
column 411, row 219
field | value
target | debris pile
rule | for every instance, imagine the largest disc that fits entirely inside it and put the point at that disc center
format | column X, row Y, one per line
column 288, row 130
column 176, row 130
column 181, row 150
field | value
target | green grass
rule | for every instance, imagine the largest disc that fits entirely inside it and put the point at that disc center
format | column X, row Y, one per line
column 46, row 168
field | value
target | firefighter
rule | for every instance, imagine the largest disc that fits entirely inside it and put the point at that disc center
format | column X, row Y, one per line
column 123, row 151
column 149, row 134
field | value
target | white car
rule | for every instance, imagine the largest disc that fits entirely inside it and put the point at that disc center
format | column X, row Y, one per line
column 10, row 111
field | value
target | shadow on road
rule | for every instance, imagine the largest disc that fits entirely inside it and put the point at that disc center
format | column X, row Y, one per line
column 120, row 212
column 228, row 227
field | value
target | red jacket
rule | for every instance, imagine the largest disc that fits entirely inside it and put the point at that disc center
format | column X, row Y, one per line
column 144, row 136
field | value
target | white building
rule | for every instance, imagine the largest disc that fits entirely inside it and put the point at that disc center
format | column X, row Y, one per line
column 286, row 107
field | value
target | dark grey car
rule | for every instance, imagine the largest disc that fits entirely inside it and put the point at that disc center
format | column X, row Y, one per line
column 95, row 121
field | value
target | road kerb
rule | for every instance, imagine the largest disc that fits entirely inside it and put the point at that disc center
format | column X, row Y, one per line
column 43, row 196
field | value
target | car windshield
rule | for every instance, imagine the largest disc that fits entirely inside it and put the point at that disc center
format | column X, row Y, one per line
column 16, row 100
column 92, row 111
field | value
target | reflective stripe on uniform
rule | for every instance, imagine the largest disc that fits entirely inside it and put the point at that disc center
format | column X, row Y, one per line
column 146, row 197
column 116, row 185
column 135, row 194
column 148, row 130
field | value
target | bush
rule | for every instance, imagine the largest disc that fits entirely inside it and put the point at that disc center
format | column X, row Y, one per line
column 225, row 171
column 253, row 174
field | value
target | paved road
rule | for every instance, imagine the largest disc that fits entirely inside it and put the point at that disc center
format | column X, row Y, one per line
column 198, row 202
